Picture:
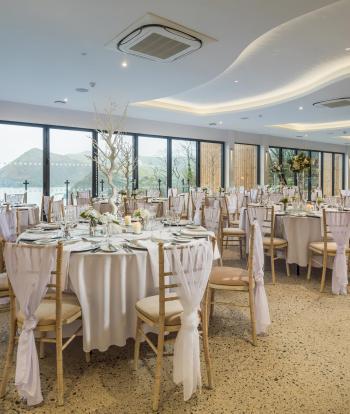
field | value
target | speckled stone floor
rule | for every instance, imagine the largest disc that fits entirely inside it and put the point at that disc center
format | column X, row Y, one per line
column 302, row 366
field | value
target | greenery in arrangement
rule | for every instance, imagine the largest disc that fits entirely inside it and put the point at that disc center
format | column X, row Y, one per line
column 284, row 200
column 278, row 169
column 300, row 162
column 96, row 217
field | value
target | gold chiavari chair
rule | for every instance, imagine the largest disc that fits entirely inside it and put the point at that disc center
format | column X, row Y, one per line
column 4, row 285
column 45, row 207
column 232, row 279
column 55, row 311
column 56, row 210
column 271, row 243
column 325, row 248
column 163, row 312
column 16, row 198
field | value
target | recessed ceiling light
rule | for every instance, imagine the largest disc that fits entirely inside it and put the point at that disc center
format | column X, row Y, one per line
column 61, row 101
column 260, row 116
column 212, row 123
column 300, row 108
column 299, row 136
column 83, row 53
column 244, row 118
column 347, row 49
column 236, row 81
column 220, row 122
column 82, row 89
column 306, row 135
column 124, row 64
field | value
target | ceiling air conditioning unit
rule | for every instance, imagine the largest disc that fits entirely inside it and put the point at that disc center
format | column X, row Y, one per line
column 158, row 39
column 333, row 103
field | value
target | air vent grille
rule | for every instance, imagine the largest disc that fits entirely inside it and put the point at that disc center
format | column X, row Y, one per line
column 333, row 103
column 159, row 46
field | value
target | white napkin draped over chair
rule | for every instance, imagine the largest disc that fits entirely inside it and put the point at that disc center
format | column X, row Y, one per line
column 8, row 225
column 339, row 225
column 191, row 267
column 29, row 271
column 262, row 313
column 197, row 201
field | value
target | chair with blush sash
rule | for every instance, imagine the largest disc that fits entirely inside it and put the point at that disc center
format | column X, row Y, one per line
column 29, row 270
column 266, row 219
column 185, row 269
column 335, row 243
column 251, row 281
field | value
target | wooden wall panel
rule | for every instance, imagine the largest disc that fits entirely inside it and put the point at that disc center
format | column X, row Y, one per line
column 327, row 174
column 245, row 165
column 338, row 173
column 210, row 167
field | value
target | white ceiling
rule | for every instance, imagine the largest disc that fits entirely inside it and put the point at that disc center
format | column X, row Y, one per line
column 284, row 54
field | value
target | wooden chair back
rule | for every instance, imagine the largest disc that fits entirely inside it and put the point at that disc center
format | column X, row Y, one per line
column 16, row 198
column 268, row 224
column 56, row 210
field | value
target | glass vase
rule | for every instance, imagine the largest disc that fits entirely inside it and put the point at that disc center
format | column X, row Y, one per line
column 92, row 229
column 300, row 183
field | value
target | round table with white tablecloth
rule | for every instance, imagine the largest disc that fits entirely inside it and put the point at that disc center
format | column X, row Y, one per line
column 108, row 284
column 298, row 230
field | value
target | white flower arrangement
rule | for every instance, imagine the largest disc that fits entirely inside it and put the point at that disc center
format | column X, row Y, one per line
column 97, row 218
column 142, row 213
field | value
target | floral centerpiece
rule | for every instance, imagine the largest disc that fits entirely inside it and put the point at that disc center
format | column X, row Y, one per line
column 277, row 169
column 95, row 218
column 284, row 201
column 142, row 214
column 298, row 164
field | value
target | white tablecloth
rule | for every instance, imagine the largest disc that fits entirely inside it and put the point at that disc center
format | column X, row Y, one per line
column 299, row 231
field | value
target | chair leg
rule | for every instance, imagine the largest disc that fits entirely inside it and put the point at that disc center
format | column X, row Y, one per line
column 211, row 301
column 309, row 266
column 88, row 357
column 59, row 366
column 252, row 314
column 287, row 264
column 42, row 346
column 324, row 270
column 137, row 343
column 159, row 365
column 273, row 266
column 206, row 340
column 240, row 249
column 9, row 358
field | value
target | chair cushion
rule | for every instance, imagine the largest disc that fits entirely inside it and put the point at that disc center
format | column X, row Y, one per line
column 4, row 284
column 232, row 276
column 46, row 312
column 276, row 241
column 331, row 247
column 149, row 307
column 233, row 231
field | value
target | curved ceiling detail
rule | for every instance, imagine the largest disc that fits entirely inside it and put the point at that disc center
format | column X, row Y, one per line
column 299, row 67
column 316, row 126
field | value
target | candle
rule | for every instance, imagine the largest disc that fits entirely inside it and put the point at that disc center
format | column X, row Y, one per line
column 127, row 220
column 136, row 227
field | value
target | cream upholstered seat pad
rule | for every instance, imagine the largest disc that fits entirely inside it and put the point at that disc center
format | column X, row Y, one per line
column 46, row 312
column 149, row 307
column 234, row 223
column 4, row 284
column 331, row 247
column 233, row 276
column 233, row 231
column 276, row 241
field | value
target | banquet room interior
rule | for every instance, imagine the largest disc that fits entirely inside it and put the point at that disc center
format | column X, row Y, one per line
column 174, row 206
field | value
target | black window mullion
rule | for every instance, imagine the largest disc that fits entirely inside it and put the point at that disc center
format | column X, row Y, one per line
column 333, row 175
column 46, row 161
column 198, row 166
column 94, row 166
column 135, row 172
column 169, row 163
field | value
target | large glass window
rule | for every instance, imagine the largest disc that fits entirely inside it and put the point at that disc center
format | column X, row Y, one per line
column 184, row 163
column 273, row 160
column 70, row 160
column 123, row 177
column 245, row 165
column 152, row 163
column 211, row 165
column 21, row 160
column 315, row 169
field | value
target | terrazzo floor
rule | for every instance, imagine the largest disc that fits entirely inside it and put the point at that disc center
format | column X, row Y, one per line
column 302, row 366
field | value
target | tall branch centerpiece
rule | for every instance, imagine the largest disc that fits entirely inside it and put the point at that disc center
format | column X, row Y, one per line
column 113, row 153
